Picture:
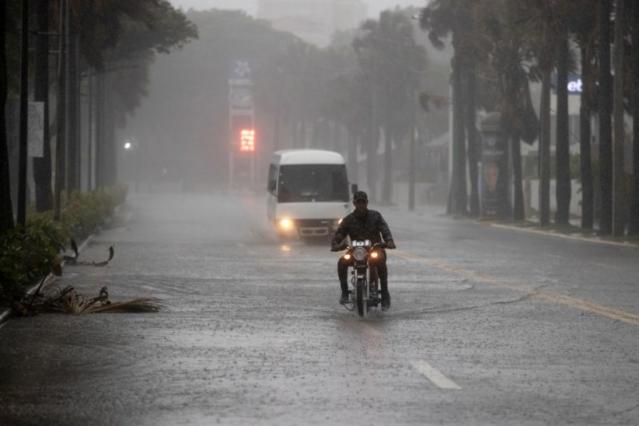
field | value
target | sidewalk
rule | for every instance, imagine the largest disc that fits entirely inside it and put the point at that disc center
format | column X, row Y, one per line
column 567, row 232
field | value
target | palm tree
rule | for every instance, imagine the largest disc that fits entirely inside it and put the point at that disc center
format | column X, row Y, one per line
column 441, row 18
column 390, row 56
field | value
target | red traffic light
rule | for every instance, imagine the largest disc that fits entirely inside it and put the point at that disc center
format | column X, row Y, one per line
column 247, row 140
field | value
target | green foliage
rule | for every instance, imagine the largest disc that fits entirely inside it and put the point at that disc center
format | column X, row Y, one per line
column 85, row 211
column 29, row 253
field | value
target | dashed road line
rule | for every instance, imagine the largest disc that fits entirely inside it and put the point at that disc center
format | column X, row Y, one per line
column 550, row 297
column 434, row 375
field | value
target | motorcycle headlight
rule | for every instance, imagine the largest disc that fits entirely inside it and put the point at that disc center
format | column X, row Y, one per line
column 374, row 255
column 359, row 254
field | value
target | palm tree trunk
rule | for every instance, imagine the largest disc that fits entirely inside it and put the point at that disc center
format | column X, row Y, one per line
column 458, row 190
column 519, row 211
column 352, row 153
column 563, row 190
column 605, row 128
column 61, row 116
column 6, row 207
column 471, row 129
column 585, row 133
column 42, row 165
column 619, row 214
column 634, row 207
column 371, row 148
column 73, row 147
column 544, row 151
column 388, row 166
column 100, row 151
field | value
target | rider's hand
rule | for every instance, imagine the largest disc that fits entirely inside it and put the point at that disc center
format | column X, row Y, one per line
column 338, row 247
column 390, row 244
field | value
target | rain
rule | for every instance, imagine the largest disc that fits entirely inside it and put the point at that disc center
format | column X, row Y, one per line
column 319, row 212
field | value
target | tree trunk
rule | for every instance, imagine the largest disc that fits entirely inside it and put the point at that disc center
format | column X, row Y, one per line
column 61, row 117
column 352, row 154
column 110, row 148
column 73, row 148
column 563, row 189
column 6, row 207
column 23, row 154
column 585, row 133
column 634, row 206
column 371, row 148
column 100, row 150
column 458, row 191
column 605, row 136
column 42, row 165
column 388, row 166
column 619, row 213
column 544, row 151
column 473, row 140
column 411, row 160
column 519, row 211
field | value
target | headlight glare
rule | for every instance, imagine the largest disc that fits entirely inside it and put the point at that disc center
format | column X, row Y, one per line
column 286, row 224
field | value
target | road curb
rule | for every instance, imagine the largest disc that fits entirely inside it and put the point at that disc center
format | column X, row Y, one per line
column 595, row 240
column 50, row 279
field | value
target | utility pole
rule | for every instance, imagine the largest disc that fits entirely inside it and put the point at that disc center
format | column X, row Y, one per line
column 618, row 224
column 24, row 117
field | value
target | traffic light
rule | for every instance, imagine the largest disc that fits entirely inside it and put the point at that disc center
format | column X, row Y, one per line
column 247, row 140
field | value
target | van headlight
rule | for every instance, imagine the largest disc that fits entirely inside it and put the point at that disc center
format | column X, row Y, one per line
column 286, row 224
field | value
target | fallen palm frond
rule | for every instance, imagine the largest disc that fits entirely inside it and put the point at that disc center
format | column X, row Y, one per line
column 73, row 260
column 69, row 301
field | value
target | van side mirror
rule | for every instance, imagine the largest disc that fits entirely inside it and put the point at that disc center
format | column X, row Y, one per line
column 354, row 188
column 271, row 186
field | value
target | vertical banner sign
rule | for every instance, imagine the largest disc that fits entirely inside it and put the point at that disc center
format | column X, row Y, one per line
column 494, row 172
column 242, row 148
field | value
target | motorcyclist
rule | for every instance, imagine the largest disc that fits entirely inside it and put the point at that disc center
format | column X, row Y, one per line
column 363, row 224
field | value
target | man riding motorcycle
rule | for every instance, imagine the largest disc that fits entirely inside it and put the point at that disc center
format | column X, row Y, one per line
column 363, row 224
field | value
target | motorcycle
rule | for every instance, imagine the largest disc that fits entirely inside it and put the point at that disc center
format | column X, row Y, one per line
column 365, row 291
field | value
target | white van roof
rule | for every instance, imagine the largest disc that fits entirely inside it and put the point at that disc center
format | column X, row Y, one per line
column 307, row 156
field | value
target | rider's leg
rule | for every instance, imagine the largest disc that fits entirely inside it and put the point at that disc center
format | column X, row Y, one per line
column 382, row 271
column 342, row 273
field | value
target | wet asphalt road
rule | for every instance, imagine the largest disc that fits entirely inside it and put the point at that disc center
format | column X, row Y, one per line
column 488, row 326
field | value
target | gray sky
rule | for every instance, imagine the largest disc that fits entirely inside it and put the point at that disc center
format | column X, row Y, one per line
column 374, row 6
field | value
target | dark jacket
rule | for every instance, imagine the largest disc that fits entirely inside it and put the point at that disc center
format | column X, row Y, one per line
column 368, row 227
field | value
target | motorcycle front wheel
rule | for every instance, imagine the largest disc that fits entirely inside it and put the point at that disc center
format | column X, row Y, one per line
column 362, row 304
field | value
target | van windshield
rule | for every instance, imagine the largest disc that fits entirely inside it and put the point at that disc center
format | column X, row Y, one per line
column 312, row 182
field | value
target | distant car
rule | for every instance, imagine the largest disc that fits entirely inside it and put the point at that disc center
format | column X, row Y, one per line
column 308, row 192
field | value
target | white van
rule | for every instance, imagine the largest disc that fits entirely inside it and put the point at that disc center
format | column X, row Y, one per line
column 308, row 192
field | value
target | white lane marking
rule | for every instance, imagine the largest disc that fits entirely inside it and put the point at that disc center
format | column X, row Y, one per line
column 435, row 376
